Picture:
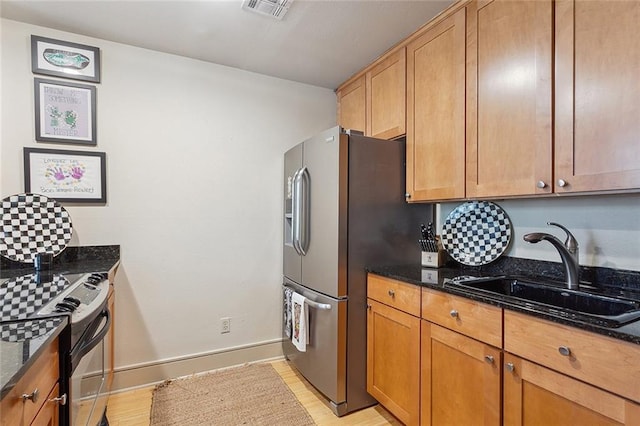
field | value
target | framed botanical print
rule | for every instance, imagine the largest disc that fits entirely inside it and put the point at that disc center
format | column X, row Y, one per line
column 64, row 59
column 65, row 112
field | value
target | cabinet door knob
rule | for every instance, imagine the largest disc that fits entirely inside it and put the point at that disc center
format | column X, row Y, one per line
column 62, row 399
column 564, row 350
column 33, row 396
column 453, row 313
column 392, row 293
column 407, row 195
column 510, row 366
column 489, row 359
column 562, row 183
column 368, row 306
column 541, row 184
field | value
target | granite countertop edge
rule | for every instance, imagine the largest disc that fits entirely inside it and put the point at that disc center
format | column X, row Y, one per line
column 15, row 378
column 410, row 273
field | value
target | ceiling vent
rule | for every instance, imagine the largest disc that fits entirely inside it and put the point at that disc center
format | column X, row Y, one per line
column 273, row 8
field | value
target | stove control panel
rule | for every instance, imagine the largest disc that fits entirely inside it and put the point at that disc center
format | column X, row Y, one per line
column 81, row 298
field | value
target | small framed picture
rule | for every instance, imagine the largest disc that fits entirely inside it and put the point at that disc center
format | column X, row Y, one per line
column 65, row 112
column 65, row 59
column 73, row 176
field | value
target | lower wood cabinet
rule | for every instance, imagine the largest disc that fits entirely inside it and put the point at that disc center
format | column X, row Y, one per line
column 41, row 381
column 393, row 346
column 393, row 360
column 49, row 414
column 463, row 362
column 460, row 379
column 535, row 395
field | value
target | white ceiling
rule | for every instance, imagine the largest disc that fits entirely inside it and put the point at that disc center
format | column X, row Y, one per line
column 319, row 42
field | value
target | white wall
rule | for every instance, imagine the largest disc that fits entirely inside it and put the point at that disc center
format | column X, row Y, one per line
column 607, row 227
column 194, row 155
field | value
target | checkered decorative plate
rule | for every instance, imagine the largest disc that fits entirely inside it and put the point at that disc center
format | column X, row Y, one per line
column 33, row 224
column 476, row 233
column 24, row 295
column 21, row 331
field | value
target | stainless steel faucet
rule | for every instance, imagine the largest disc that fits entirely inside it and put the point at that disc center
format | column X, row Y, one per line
column 568, row 253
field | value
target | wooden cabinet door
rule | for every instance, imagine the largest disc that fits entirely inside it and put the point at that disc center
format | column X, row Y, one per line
column 386, row 97
column 460, row 379
column 351, row 105
column 110, row 356
column 49, row 414
column 435, row 112
column 534, row 395
column 509, row 114
column 597, row 130
column 393, row 360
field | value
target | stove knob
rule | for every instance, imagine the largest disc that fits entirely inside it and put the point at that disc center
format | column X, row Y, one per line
column 62, row 308
column 74, row 301
column 93, row 280
column 90, row 286
column 66, row 305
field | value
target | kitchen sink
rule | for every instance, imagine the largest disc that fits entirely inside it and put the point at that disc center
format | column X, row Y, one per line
column 580, row 305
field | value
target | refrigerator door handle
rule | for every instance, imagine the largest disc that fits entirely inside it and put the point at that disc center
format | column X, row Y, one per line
column 295, row 213
column 304, row 197
column 316, row 305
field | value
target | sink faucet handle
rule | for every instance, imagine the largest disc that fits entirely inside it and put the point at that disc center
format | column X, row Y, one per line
column 570, row 243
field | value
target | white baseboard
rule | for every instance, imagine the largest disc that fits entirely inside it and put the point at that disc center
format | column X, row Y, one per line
column 147, row 374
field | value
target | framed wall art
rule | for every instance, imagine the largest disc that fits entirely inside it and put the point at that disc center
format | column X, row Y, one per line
column 65, row 59
column 73, row 176
column 65, row 112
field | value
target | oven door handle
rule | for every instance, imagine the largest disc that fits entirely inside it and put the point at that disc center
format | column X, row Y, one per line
column 85, row 347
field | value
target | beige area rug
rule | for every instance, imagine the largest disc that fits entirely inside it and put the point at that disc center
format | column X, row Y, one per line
column 253, row 394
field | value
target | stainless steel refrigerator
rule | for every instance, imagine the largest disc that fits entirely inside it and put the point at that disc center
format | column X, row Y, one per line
column 344, row 209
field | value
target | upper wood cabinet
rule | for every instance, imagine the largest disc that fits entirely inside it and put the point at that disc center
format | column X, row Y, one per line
column 386, row 94
column 509, row 98
column 351, row 105
column 375, row 102
column 435, row 112
column 597, row 129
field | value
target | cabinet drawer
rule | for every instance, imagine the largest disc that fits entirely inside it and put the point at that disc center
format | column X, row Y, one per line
column 602, row 361
column 474, row 319
column 42, row 375
column 399, row 295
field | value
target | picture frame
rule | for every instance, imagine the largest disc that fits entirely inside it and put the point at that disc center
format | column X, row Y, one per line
column 71, row 176
column 64, row 59
column 65, row 112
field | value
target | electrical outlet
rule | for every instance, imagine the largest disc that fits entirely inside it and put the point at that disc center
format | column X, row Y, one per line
column 225, row 325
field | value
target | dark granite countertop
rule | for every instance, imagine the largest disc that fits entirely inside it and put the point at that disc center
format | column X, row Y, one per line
column 71, row 260
column 17, row 356
column 623, row 282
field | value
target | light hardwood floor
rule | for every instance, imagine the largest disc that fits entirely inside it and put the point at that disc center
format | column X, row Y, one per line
column 132, row 408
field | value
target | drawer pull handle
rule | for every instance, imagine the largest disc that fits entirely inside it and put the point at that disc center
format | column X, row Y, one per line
column 489, row 359
column 392, row 293
column 510, row 366
column 33, row 396
column 453, row 313
column 564, row 350
column 62, row 399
